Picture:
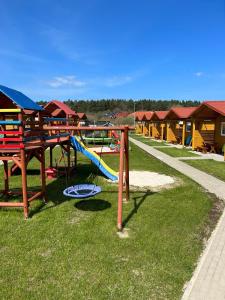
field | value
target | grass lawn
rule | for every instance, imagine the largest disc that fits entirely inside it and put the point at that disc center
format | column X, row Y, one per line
column 215, row 168
column 148, row 141
column 175, row 152
column 69, row 249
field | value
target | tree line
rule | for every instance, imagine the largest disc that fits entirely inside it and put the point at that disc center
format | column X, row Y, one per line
column 118, row 105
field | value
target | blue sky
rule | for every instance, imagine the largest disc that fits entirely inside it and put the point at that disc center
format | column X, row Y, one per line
column 90, row 49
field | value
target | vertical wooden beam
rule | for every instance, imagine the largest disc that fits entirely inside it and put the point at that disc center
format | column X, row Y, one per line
column 126, row 148
column 23, row 169
column 43, row 178
column 162, row 131
column 120, row 185
column 6, row 177
column 24, row 183
column 183, row 133
column 193, row 133
column 167, row 130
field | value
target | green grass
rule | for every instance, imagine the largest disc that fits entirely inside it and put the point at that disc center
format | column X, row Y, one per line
column 69, row 249
column 149, row 141
column 215, row 168
column 175, row 152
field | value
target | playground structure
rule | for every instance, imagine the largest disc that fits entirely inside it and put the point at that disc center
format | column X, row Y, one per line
column 26, row 134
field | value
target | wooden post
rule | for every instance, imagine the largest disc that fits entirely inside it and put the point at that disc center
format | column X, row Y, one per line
column 193, row 134
column 23, row 170
column 43, row 179
column 183, row 133
column 120, row 185
column 6, row 176
column 126, row 148
column 167, row 131
column 24, row 183
column 162, row 131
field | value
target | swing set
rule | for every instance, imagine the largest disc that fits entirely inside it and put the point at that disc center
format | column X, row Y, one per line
column 89, row 190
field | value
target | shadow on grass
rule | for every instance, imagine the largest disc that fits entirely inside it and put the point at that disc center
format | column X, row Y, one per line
column 138, row 201
column 92, row 205
column 83, row 173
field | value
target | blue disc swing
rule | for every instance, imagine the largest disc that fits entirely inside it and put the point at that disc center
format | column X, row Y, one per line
column 82, row 190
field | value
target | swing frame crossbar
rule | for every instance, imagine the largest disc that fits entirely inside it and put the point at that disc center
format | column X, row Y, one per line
column 123, row 182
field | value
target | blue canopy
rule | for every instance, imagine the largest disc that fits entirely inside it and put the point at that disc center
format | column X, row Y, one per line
column 20, row 99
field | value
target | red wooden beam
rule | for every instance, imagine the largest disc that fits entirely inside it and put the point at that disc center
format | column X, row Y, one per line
column 120, row 186
column 88, row 128
column 11, row 132
column 18, row 139
column 11, row 204
column 12, row 146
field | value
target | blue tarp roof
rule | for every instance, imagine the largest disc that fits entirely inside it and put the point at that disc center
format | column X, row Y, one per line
column 20, row 99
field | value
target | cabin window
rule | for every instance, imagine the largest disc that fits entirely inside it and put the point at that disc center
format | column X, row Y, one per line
column 223, row 128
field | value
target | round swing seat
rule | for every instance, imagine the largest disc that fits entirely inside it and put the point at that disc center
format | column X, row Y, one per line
column 82, row 191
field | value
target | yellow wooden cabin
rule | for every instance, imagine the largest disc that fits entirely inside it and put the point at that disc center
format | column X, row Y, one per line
column 209, row 127
column 158, row 125
column 179, row 125
column 140, row 123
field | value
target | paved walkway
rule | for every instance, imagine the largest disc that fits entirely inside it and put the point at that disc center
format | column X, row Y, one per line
column 208, row 281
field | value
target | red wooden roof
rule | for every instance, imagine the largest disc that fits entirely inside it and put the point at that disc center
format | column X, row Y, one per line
column 148, row 115
column 159, row 115
column 180, row 112
column 56, row 112
column 82, row 116
column 139, row 115
column 217, row 106
column 60, row 105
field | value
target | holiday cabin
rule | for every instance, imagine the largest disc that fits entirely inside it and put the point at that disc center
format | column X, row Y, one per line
column 209, row 127
column 179, row 125
column 158, row 125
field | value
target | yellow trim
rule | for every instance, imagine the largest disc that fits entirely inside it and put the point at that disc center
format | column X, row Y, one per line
column 10, row 110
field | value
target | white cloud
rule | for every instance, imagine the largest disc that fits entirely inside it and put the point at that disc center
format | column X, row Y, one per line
column 199, row 74
column 117, row 80
column 66, row 81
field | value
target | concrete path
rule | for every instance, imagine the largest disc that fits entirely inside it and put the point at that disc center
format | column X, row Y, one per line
column 214, row 156
column 208, row 281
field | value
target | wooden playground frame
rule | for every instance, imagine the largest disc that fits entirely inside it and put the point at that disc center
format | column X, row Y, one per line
column 19, row 148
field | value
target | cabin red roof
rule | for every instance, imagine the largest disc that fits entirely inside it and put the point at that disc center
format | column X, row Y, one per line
column 181, row 112
column 217, row 106
column 140, row 115
column 148, row 115
column 159, row 115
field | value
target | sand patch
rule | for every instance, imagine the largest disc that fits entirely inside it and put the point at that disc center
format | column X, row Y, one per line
column 144, row 180
column 149, row 179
